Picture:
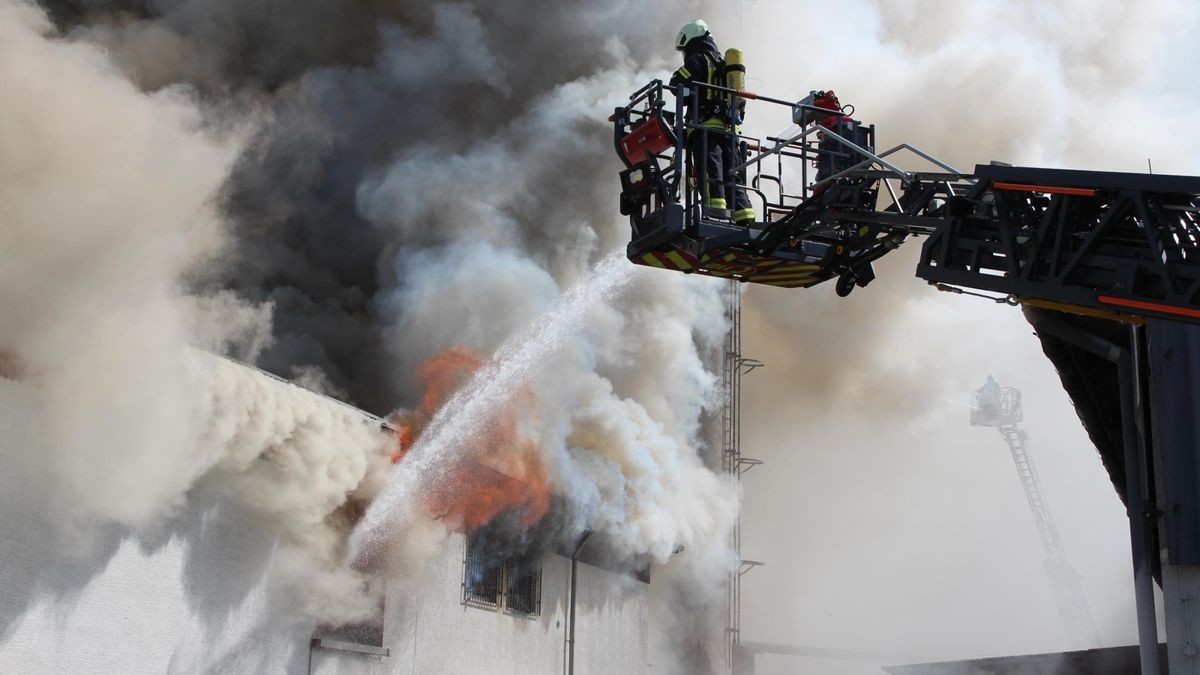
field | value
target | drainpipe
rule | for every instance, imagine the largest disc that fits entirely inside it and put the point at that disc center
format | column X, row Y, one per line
column 571, row 619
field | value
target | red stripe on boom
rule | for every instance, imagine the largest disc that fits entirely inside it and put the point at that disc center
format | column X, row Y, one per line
column 1021, row 187
column 1150, row 306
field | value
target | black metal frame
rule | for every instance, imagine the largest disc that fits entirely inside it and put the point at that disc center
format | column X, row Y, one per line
column 1113, row 242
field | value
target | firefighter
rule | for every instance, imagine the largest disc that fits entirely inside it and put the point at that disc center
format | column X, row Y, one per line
column 713, row 151
column 989, row 400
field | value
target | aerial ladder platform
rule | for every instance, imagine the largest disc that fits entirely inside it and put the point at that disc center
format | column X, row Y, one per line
column 1116, row 245
column 1106, row 266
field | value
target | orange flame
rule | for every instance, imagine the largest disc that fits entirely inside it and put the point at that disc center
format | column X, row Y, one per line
column 502, row 471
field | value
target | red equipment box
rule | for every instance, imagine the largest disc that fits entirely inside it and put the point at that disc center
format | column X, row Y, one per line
column 648, row 138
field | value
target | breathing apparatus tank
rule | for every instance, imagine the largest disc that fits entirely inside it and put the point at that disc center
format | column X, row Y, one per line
column 735, row 78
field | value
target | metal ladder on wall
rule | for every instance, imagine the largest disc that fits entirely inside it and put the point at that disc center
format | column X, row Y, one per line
column 733, row 368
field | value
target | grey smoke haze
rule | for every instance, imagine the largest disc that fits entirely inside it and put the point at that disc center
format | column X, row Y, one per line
column 886, row 522
column 337, row 195
column 98, row 226
column 389, row 132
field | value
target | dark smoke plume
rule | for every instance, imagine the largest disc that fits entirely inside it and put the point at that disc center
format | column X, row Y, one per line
column 387, row 130
column 336, row 192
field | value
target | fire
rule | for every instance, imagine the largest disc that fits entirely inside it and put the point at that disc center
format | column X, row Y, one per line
column 501, row 472
column 442, row 375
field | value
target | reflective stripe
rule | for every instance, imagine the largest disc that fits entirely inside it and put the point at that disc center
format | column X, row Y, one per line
column 684, row 73
column 716, row 202
column 680, row 263
column 650, row 259
column 743, row 214
column 714, row 124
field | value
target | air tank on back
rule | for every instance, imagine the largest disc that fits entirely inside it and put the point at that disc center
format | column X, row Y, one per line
column 735, row 78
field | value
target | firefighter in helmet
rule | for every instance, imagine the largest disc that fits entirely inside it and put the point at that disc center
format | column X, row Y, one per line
column 714, row 150
column 989, row 401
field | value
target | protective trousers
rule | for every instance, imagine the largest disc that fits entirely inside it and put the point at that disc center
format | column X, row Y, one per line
column 720, row 154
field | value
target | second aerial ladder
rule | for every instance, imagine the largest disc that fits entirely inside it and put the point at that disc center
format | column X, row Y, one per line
column 1000, row 407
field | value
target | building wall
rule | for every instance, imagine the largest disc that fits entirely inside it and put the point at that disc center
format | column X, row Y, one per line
column 194, row 598
column 434, row 632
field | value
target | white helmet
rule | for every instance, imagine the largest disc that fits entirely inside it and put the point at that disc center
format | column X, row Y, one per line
column 690, row 31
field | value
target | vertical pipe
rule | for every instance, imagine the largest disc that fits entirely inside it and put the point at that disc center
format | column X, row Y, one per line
column 571, row 618
column 698, row 164
column 681, row 167
column 1130, row 377
column 571, row 627
column 1130, row 368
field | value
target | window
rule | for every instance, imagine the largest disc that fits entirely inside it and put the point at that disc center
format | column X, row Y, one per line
column 481, row 582
column 492, row 580
column 523, row 591
column 363, row 638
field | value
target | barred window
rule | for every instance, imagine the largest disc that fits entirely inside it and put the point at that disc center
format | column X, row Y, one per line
column 496, row 582
column 523, row 592
column 364, row 638
column 481, row 576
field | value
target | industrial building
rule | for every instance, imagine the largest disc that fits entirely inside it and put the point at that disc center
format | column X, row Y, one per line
column 199, row 600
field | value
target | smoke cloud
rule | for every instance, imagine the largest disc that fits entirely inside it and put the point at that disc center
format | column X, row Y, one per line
column 901, row 529
column 97, row 227
column 336, row 194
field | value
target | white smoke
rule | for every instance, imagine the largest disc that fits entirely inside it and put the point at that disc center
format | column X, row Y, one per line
column 622, row 433
column 112, row 220
column 918, row 540
column 103, row 214
column 618, row 419
column 98, row 227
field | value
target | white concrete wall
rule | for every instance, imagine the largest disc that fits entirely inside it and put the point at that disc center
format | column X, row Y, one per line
column 436, row 633
column 96, row 600
column 194, row 598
